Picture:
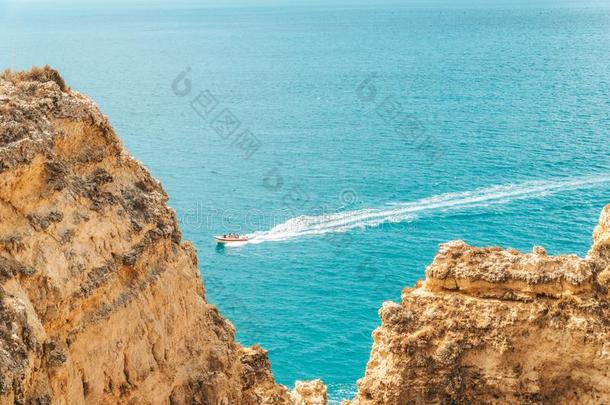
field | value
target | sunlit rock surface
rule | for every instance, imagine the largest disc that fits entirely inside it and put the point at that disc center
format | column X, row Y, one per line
column 497, row 326
column 100, row 298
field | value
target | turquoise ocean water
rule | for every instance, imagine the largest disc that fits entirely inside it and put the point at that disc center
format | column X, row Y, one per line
column 349, row 141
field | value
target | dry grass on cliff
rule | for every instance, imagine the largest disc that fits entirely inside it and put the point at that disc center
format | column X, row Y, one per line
column 37, row 74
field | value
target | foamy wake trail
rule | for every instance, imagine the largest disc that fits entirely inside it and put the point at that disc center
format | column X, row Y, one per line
column 305, row 225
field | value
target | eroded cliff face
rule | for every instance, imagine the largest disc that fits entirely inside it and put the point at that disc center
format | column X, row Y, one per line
column 100, row 298
column 497, row 326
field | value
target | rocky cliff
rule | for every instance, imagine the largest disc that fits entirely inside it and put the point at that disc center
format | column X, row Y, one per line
column 100, row 298
column 497, row 326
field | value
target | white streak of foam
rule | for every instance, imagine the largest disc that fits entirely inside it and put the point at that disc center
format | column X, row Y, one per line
column 305, row 225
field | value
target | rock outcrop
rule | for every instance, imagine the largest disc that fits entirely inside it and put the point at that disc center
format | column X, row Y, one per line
column 100, row 298
column 309, row 393
column 497, row 326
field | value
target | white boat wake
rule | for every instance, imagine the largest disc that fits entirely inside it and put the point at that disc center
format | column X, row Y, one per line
column 305, row 225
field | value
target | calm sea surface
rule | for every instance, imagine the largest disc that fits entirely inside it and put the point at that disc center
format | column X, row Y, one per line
column 348, row 141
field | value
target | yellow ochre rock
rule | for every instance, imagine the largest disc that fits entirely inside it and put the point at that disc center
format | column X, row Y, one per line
column 101, row 301
column 497, row 326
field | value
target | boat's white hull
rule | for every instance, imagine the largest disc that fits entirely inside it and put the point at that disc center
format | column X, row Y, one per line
column 222, row 240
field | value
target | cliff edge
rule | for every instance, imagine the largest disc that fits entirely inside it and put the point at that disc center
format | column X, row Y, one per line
column 497, row 326
column 101, row 300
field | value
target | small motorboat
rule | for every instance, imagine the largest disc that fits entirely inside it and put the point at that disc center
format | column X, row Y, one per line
column 231, row 238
